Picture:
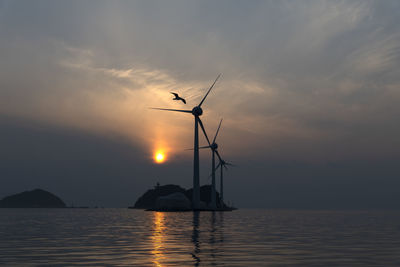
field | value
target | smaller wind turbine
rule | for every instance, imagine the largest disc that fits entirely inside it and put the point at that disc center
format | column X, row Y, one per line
column 214, row 147
column 222, row 164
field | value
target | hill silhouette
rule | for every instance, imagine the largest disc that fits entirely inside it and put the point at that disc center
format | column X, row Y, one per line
column 37, row 198
column 148, row 199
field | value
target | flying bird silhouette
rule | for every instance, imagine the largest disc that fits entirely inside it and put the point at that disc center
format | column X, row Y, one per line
column 177, row 97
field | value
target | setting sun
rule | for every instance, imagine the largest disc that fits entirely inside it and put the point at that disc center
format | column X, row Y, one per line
column 159, row 157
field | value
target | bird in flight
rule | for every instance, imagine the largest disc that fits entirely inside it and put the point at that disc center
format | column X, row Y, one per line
column 177, row 97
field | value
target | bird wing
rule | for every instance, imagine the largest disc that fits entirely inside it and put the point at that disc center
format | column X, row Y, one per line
column 183, row 100
column 175, row 94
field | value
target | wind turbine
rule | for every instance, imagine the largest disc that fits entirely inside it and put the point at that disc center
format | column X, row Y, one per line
column 197, row 111
column 222, row 164
column 214, row 147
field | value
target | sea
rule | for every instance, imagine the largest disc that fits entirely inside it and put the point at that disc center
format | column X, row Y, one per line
column 244, row 237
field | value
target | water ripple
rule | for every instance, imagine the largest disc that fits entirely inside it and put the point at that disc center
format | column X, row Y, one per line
column 122, row 237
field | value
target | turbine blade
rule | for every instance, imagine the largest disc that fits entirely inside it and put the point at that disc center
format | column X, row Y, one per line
column 204, row 131
column 204, row 98
column 219, row 126
column 226, row 168
column 219, row 165
column 178, row 110
column 219, row 157
column 230, row 164
column 202, row 147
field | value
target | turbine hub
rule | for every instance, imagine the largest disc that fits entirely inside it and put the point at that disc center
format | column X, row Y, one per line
column 214, row 146
column 197, row 111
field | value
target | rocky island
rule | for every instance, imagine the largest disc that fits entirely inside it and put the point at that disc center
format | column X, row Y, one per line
column 37, row 198
column 175, row 198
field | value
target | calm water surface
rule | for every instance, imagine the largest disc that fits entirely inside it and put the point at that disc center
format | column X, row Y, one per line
column 104, row 237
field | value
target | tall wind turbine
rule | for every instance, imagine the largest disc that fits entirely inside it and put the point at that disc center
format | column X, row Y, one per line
column 214, row 147
column 197, row 111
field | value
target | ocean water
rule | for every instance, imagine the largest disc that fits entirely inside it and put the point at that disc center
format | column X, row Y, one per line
column 123, row 237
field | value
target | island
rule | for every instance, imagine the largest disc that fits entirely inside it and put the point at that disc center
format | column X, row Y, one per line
column 37, row 198
column 172, row 197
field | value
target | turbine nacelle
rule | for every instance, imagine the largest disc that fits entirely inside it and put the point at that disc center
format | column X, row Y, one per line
column 214, row 146
column 197, row 111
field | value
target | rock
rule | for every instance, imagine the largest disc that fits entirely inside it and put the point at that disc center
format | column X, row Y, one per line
column 203, row 205
column 148, row 199
column 37, row 198
column 175, row 201
column 205, row 195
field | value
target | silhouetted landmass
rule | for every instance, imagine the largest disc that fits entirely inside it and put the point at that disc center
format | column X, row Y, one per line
column 37, row 198
column 149, row 198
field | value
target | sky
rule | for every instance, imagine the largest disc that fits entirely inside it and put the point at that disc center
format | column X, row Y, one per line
column 309, row 98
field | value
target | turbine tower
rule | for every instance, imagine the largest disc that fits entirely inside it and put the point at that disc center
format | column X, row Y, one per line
column 214, row 147
column 197, row 111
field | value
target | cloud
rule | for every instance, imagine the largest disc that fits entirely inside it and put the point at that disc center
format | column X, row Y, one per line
column 291, row 71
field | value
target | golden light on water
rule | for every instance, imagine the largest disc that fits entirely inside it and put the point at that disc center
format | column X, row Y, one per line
column 158, row 237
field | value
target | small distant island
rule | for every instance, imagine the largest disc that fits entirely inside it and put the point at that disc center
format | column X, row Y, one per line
column 37, row 198
column 172, row 197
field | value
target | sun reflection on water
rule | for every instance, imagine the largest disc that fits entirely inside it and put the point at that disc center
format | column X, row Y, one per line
column 158, row 238
column 197, row 229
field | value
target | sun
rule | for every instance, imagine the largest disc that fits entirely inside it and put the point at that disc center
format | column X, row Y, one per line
column 159, row 157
